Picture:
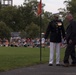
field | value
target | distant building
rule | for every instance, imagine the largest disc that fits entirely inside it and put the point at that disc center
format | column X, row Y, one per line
column 15, row 34
column 6, row 2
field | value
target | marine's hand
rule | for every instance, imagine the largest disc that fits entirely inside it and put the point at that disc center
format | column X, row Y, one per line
column 45, row 40
column 70, row 41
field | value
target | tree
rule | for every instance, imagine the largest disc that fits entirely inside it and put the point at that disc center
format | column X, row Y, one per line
column 9, row 15
column 20, row 18
column 46, row 17
column 32, row 31
column 71, row 7
column 4, row 31
column 23, row 34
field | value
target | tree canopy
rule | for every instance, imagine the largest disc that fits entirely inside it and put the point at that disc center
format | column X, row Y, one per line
column 24, row 18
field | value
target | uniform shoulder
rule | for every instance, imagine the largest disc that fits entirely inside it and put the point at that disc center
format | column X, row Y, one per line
column 60, row 20
column 73, row 21
column 51, row 21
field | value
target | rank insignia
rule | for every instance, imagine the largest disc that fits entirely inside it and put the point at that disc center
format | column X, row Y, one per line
column 59, row 24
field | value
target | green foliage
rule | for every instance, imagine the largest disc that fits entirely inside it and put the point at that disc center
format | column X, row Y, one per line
column 22, row 34
column 20, row 18
column 4, row 31
column 8, row 15
column 32, row 30
column 45, row 20
column 71, row 7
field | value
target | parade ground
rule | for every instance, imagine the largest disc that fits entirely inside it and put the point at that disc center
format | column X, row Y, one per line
column 25, row 61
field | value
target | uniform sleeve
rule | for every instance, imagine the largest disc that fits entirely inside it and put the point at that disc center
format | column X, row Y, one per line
column 73, row 30
column 63, row 31
column 48, row 30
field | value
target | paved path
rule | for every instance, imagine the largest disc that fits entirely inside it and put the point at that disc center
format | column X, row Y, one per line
column 42, row 69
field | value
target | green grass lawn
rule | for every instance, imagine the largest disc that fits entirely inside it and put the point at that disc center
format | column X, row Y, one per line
column 17, row 57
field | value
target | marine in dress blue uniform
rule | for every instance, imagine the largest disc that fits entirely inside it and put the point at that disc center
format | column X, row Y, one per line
column 56, row 31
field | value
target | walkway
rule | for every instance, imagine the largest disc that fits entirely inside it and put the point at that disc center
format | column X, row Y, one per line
column 42, row 69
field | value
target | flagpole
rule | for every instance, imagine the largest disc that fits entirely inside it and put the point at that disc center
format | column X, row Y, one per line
column 40, row 40
column 39, row 13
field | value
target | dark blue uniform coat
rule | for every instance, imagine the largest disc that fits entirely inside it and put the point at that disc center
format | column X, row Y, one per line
column 56, row 30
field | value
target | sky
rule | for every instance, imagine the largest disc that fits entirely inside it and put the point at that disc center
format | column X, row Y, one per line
column 50, row 5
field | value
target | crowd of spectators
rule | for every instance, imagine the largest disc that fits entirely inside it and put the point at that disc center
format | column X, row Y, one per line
column 23, row 42
column 26, row 42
